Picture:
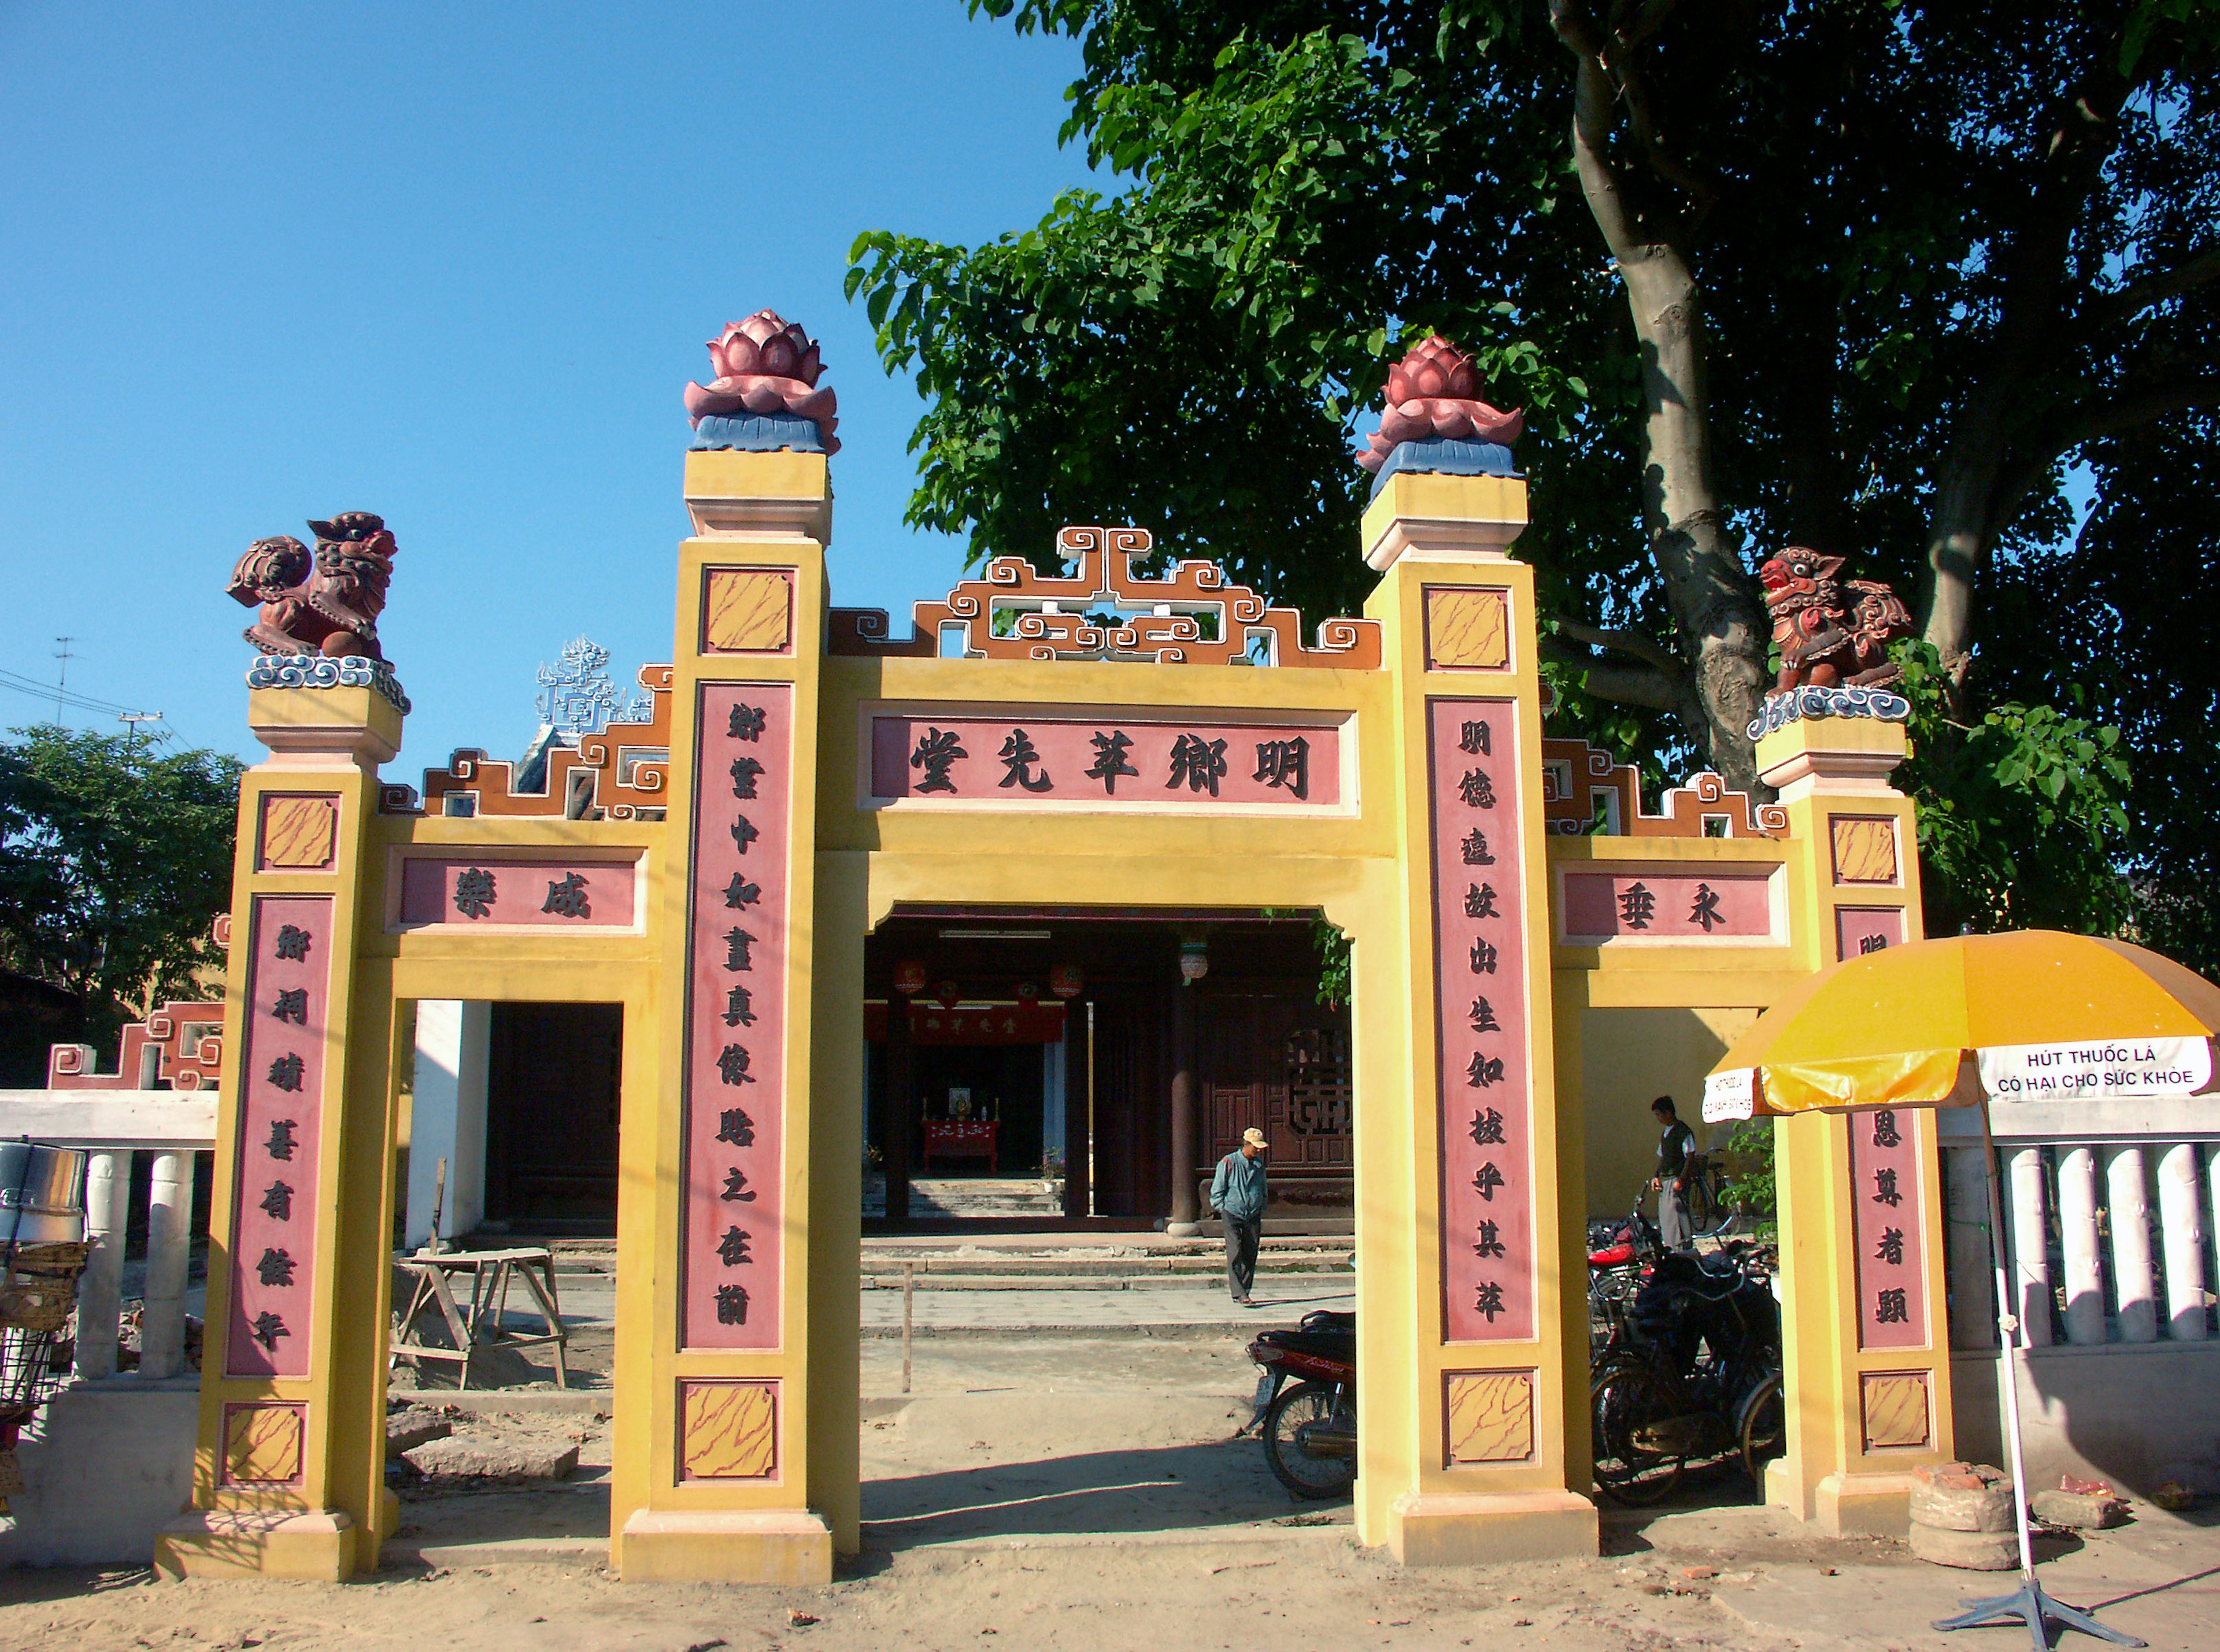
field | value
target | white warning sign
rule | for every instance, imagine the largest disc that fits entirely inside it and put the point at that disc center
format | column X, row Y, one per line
column 2124, row 1070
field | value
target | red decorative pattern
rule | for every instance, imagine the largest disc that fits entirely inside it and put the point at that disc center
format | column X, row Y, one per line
column 1579, row 781
column 1887, row 1216
column 185, row 1039
column 275, row 1202
column 1486, row 1076
column 619, row 774
column 1105, row 610
column 737, row 971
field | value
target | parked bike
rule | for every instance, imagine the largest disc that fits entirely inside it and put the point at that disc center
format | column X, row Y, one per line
column 1620, row 1254
column 1308, row 1427
column 1694, row 1372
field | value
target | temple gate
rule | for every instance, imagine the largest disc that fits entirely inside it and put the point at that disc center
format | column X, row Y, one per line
column 1123, row 736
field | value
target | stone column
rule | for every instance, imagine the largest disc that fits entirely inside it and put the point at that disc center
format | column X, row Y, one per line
column 169, row 1256
column 736, row 1398
column 902, row 1101
column 1183, row 1220
column 1864, row 1331
column 290, row 1477
column 99, row 1288
column 1473, row 1421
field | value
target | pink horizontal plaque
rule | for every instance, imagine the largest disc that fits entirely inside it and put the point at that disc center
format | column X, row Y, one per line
column 1051, row 760
column 459, row 892
column 1714, row 904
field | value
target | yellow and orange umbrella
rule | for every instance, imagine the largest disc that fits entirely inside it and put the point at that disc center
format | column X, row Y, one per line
column 2031, row 1016
column 2044, row 1016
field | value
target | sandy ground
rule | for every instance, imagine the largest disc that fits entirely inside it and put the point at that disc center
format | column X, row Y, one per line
column 1058, row 1492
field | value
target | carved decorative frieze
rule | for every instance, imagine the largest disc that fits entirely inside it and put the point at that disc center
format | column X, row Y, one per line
column 1104, row 610
column 619, row 774
column 185, row 1040
column 1580, row 783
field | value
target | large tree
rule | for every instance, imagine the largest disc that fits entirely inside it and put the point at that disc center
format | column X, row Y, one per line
column 115, row 859
column 1908, row 282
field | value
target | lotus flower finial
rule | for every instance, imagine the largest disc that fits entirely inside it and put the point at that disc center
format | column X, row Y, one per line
column 1434, row 393
column 765, row 365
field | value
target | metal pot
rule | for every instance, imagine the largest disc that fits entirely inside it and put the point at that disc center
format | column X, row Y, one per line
column 42, row 1194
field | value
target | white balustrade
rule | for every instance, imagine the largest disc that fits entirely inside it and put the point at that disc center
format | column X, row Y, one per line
column 2077, row 1232
column 111, row 1126
column 2128, row 1203
column 100, row 1287
column 169, row 1250
column 2182, row 1229
column 2030, row 1246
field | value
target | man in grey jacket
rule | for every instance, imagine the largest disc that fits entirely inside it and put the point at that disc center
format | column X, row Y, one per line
column 1236, row 1193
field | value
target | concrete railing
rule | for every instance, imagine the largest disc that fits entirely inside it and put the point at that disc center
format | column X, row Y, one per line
column 2122, row 1378
column 112, row 1126
column 2081, row 1181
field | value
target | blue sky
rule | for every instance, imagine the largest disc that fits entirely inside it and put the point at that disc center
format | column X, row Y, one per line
column 453, row 264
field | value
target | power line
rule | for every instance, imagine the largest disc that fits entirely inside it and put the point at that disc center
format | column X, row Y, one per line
column 23, row 685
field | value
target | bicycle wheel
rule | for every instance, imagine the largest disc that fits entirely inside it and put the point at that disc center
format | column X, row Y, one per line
column 1764, row 1431
column 1627, row 1400
column 1310, row 1440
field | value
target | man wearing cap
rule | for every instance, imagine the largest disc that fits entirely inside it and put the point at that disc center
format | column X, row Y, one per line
column 1236, row 1193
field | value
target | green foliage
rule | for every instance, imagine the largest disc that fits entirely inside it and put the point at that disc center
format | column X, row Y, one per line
column 1333, row 964
column 1747, row 1158
column 1302, row 185
column 2022, row 816
column 115, row 859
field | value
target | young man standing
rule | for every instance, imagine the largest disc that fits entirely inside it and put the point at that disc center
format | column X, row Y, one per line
column 1676, row 1155
column 1236, row 1193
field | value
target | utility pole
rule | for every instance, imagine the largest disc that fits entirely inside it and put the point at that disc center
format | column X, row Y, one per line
column 132, row 719
column 61, row 680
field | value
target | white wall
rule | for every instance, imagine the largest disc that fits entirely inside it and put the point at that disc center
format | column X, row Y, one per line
column 448, row 1116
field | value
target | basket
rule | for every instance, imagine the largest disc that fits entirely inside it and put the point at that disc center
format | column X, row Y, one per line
column 39, row 1287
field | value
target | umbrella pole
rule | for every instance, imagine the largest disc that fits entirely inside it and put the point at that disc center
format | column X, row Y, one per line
column 2027, row 1604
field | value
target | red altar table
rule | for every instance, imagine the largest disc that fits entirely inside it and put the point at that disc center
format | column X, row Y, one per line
column 960, row 1138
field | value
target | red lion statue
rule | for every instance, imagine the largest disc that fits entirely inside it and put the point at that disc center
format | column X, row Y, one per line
column 1823, row 643
column 327, row 602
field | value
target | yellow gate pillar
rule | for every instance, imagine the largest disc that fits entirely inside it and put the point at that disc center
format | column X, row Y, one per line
column 1472, row 1405
column 1864, row 1331
column 736, row 1404
column 288, row 1478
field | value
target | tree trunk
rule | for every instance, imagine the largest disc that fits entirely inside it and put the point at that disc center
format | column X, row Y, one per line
column 1722, row 631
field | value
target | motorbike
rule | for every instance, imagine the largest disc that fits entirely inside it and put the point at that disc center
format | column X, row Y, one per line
column 1620, row 1254
column 1309, row 1425
column 1692, row 1371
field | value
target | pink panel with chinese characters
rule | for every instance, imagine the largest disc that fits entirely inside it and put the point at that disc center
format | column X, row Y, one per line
column 281, row 1104
column 1486, row 1074
column 1887, row 1217
column 1611, row 905
column 1035, row 761
column 463, row 892
column 735, row 1076
column 1860, row 929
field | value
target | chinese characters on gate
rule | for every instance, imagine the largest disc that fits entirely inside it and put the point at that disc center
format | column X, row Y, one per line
column 736, row 1080
column 1064, row 760
column 281, row 1105
column 1884, row 1174
column 1488, row 1254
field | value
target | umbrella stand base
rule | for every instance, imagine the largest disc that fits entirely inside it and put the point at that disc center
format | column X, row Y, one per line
column 2029, row 1605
